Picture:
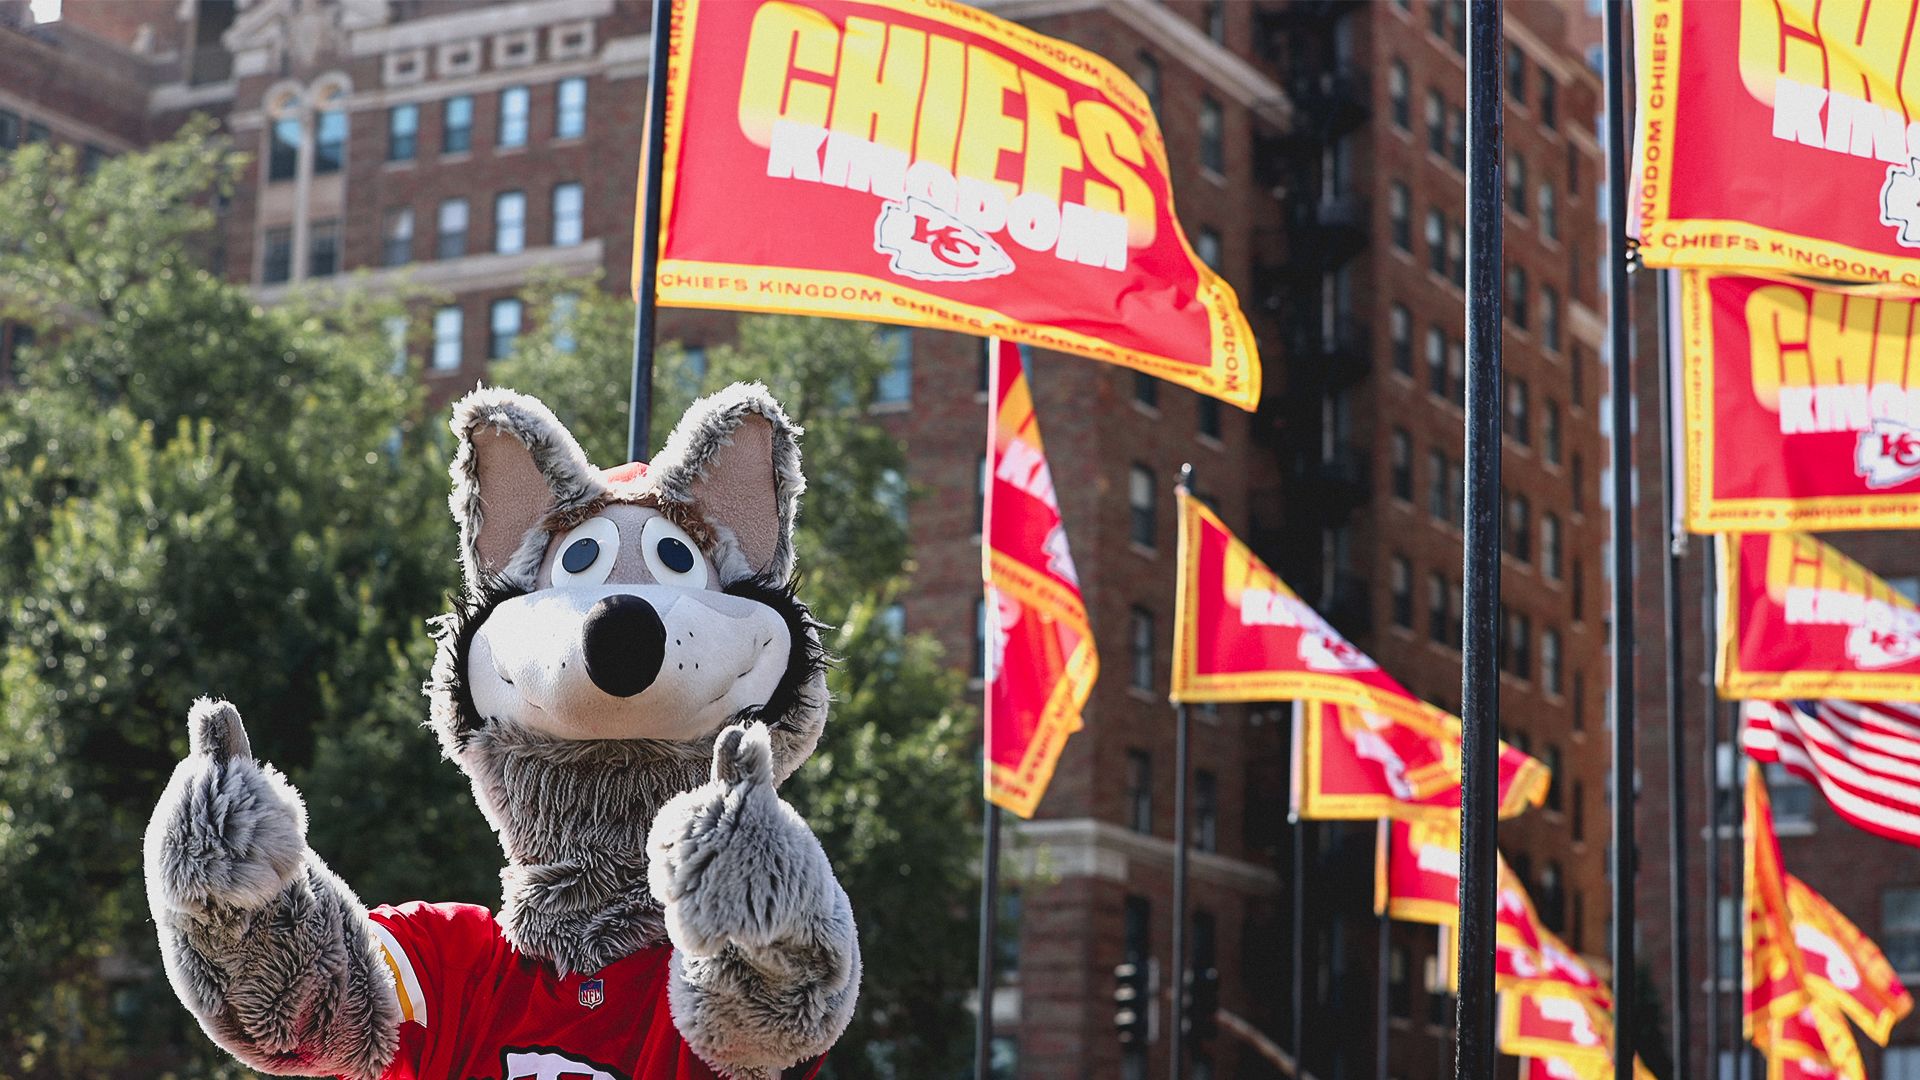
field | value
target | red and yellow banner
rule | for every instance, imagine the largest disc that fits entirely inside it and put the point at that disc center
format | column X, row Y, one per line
column 1772, row 972
column 1774, row 135
column 1240, row 634
column 925, row 163
column 1041, row 656
column 1812, row 1044
column 1802, row 407
column 1417, row 871
column 1800, row 620
column 1555, row 1022
column 1351, row 763
column 1844, row 968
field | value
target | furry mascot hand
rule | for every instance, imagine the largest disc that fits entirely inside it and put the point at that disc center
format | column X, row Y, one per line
column 626, row 678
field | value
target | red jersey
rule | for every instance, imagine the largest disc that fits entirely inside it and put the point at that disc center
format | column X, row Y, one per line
column 473, row 1008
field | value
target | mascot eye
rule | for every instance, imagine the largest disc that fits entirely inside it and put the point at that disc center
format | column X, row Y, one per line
column 672, row 555
column 587, row 553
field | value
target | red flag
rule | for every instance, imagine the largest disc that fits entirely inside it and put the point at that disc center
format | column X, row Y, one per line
column 926, row 163
column 1799, row 619
column 1845, row 969
column 1041, row 661
column 1812, row 1044
column 1863, row 756
column 1772, row 970
column 1353, row 763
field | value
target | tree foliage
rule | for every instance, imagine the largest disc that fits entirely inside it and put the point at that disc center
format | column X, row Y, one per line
column 199, row 494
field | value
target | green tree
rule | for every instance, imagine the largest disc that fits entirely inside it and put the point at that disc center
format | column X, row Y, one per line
column 197, row 495
column 890, row 791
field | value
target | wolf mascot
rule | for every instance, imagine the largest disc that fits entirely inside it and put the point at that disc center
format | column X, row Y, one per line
column 626, row 681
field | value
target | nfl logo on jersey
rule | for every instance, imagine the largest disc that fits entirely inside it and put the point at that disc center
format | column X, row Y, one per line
column 592, row 992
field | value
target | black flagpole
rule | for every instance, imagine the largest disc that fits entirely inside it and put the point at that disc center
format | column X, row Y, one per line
column 990, row 825
column 1676, row 704
column 1299, row 933
column 1380, row 1004
column 1176, row 1036
column 640, row 403
column 1480, row 687
column 1620, row 363
column 1709, row 631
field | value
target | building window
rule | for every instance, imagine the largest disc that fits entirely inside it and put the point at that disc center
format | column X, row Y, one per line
column 1516, row 644
column 516, row 102
column 1209, row 420
column 1520, row 528
column 1519, row 412
column 1517, row 296
column 1457, row 372
column 1900, row 929
column 9, row 130
column 1436, row 609
column 451, row 243
column 1140, row 649
column 1436, row 242
column 1207, row 246
column 1577, row 590
column 1457, row 255
column 396, row 237
column 1139, row 792
column 1146, row 390
column 570, row 109
column 1400, row 330
column 1900, row 1063
column 1438, row 504
column 895, row 384
column 1577, row 376
column 37, row 132
column 1517, row 183
column 1399, row 95
column 1550, row 432
column 1553, row 896
column 1550, row 545
column 1551, row 671
column 1457, row 137
column 1549, row 101
column 1138, row 940
column 1454, row 609
column 330, row 143
column 1436, row 362
column 1399, row 986
column 276, row 264
column 1579, row 696
column 569, row 206
column 509, row 222
column 1142, row 505
column 980, row 639
column 1516, row 74
column 1400, row 216
column 456, row 125
column 980, row 496
column 283, row 152
column 403, row 132
column 1213, row 152
column 1206, row 814
column 1402, row 590
column 503, row 327
column 1573, row 170
column 567, row 305
column 1577, row 478
column 446, row 338
column 1217, row 21
column 1402, row 446
column 1549, row 211
column 323, row 249
column 1436, row 117
column 1792, row 797
column 1550, row 318
column 1146, row 72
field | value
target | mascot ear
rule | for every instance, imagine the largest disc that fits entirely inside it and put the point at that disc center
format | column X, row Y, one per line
column 515, row 465
column 734, row 460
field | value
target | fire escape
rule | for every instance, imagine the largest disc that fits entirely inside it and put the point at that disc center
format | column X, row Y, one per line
column 1312, row 290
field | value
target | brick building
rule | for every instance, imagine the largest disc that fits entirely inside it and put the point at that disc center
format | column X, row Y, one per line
column 1317, row 153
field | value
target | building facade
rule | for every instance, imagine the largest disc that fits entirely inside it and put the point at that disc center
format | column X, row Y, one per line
column 1317, row 151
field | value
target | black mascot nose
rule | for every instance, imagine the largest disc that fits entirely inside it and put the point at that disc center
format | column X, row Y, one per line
column 624, row 642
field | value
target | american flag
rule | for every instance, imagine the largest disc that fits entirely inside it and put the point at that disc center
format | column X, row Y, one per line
column 1864, row 756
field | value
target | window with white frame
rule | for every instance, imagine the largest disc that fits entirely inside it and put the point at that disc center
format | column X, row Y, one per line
column 895, row 385
column 396, row 237
column 503, row 327
column 446, row 338
column 516, row 106
column 456, row 125
column 1142, row 497
column 569, row 209
column 1791, row 796
column 1140, row 649
column 570, row 109
column 510, row 222
column 451, row 243
column 1213, row 153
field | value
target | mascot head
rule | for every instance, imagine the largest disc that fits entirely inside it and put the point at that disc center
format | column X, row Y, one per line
column 614, row 620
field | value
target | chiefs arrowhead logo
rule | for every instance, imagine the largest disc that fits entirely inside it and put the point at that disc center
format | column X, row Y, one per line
column 1900, row 202
column 1873, row 649
column 930, row 244
column 1332, row 654
column 1887, row 455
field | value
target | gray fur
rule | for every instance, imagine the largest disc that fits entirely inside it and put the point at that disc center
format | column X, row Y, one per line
column 270, row 951
column 708, row 425
column 767, row 962
column 573, row 481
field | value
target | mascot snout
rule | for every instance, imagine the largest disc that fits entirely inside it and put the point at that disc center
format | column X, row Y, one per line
column 628, row 661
